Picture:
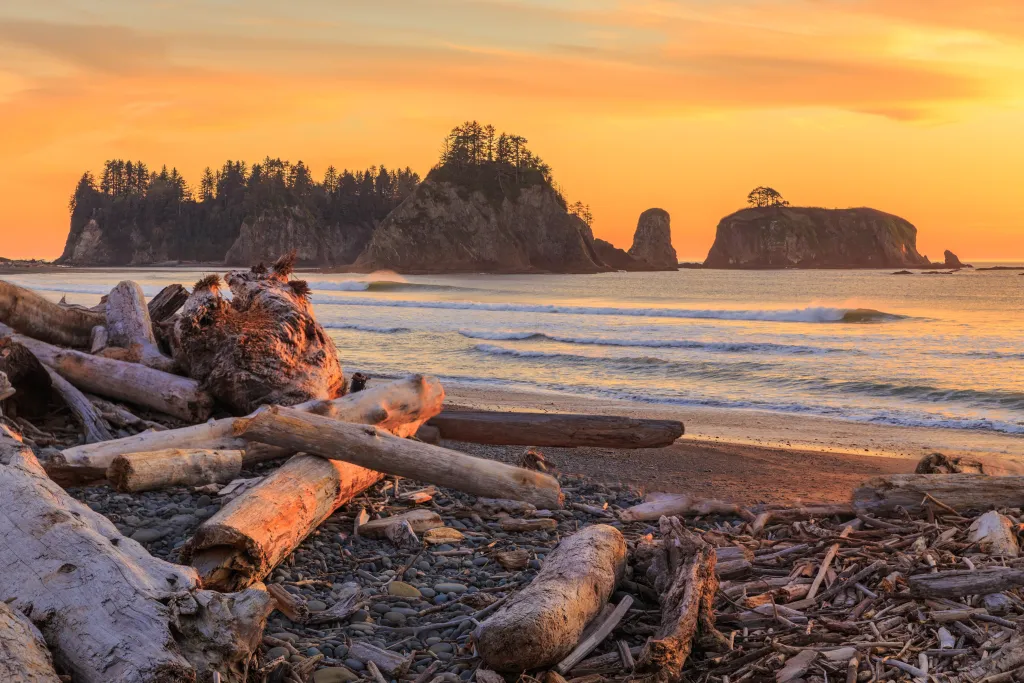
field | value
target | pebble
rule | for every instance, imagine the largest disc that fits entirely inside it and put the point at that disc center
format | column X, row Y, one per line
column 275, row 652
column 316, row 606
column 404, row 590
column 149, row 535
column 334, row 674
column 457, row 588
column 355, row 664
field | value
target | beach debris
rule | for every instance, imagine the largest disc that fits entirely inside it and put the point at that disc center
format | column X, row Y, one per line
column 130, row 334
column 419, row 520
column 544, row 622
column 263, row 347
column 950, row 492
column 23, row 654
column 994, row 534
column 533, row 459
column 938, row 463
column 374, row 448
column 167, row 302
column 657, row 505
column 556, row 429
column 173, row 467
column 31, row 314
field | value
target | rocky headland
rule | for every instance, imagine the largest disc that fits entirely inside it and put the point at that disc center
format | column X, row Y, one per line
column 799, row 237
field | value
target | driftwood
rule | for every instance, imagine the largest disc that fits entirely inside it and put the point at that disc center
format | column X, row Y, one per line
column 32, row 315
column 28, row 379
column 93, row 424
column 150, row 470
column 263, row 347
column 954, row 491
column 542, row 624
column 420, row 520
column 167, row 302
column 399, row 407
column 161, row 391
column 543, row 429
column 377, row 449
column 994, row 534
column 958, row 583
column 109, row 611
column 249, row 536
column 23, row 654
column 129, row 326
column 684, row 574
column 658, row 505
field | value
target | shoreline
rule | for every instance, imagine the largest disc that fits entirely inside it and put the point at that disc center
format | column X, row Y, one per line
column 740, row 455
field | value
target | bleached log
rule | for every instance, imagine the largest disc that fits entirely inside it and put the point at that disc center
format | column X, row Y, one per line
column 956, row 491
column 32, row 315
column 109, row 611
column 658, row 505
column 95, row 427
column 180, row 397
column 23, row 654
column 684, row 575
column 376, row 449
column 545, row 429
column 540, row 625
column 129, row 326
column 249, row 536
column 419, row 519
column 994, row 534
column 151, row 470
column 399, row 407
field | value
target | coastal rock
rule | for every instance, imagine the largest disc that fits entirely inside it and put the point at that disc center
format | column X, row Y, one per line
column 451, row 224
column 951, row 260
column 86, row 246
column 652, row 241
column 277, row 232
column 616, row 258
column 796, row 237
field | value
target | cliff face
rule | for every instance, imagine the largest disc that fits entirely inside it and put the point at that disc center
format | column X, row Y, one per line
column 652, row 241
column 790, row 237
column 448, row 226
column 618, row 259
column 294, row 229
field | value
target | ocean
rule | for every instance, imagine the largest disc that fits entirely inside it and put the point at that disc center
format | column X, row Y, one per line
column 941, row 351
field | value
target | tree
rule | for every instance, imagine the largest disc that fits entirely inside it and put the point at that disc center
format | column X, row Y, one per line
column 762, row 196
column 207, row 185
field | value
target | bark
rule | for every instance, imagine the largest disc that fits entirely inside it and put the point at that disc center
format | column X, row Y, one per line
column 541, row 429
column 129, row 326
column 957, row 491
column 146, row 471
column 167, row 302
column 29, row 379
column 684, row 573
column 32, row 315
column 399, row 407
column 264, row 347
column 958, row 583
column 542, row 624
column 95, row 427
column 23, row 654
column 250, row 536
column 376, row 449
column 660, row 505
column 160, row 391
column 109, row 611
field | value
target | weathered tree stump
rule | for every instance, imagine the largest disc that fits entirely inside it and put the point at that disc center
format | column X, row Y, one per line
column 264, row 347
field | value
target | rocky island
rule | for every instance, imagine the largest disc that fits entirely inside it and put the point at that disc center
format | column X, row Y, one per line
column 781, row 236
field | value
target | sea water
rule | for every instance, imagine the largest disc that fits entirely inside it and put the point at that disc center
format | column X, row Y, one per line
column 923, row 350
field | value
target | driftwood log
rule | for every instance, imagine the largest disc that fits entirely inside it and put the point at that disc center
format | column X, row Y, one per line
column 543, row 429
column 29, row 313
column 264, row 347
column 684, row 575
column 109, row 611
column 955, row 491
column 129, row 327
column 180, row 397
column 23, row 654
column 27, row 377
column 249, row 536
column 542, row 624
column 167, row 302
column 958, row 583
column 93, row 424
column 399, row 407
column 151, row 470
column 376, row 449
column 658, row 505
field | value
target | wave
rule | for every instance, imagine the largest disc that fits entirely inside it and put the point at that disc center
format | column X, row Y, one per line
column 813, row 314
column 380, row 286
column 366, row 328
column 987, row 355
column 721, row 347
column 148, row 290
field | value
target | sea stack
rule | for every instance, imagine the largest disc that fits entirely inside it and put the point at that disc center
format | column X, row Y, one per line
column 652, row 241
column 796, row 237
column 951, row 260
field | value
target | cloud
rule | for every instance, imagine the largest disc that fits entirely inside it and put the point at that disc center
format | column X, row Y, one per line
column 109, row 48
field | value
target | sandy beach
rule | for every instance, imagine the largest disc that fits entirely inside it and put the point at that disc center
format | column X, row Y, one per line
column 744, row 455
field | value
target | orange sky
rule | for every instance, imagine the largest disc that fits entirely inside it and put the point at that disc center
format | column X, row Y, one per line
column 915, row 107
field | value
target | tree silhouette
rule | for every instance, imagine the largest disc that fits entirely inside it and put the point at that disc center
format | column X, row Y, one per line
column 762, row 196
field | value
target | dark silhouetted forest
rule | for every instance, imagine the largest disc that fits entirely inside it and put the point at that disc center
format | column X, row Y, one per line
column 159, row 212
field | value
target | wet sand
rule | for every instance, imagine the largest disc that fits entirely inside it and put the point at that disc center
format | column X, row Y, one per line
column 744, row 455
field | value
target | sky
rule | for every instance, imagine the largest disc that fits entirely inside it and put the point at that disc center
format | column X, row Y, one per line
column 915, row 107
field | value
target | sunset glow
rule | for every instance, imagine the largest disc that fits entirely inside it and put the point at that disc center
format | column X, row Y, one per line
column 915, row 107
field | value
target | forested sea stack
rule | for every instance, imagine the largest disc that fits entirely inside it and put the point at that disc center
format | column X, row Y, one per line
column 795, row 237
column 652, row 241
column 490, row 206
